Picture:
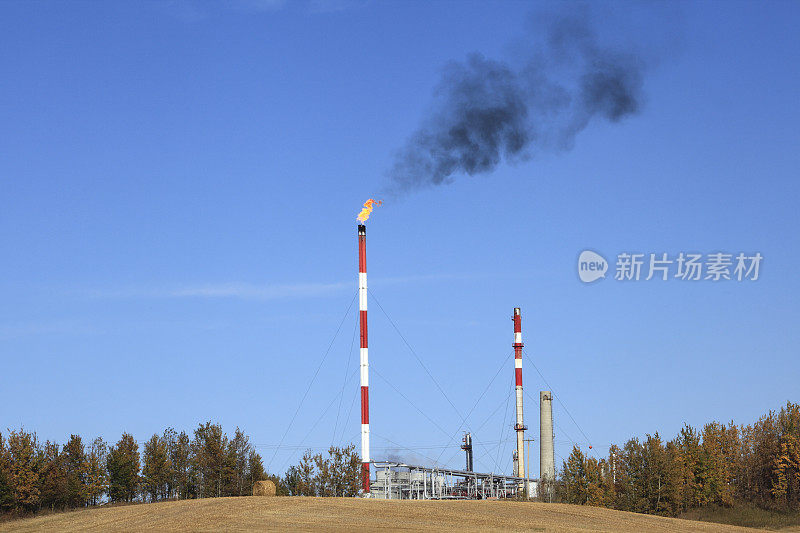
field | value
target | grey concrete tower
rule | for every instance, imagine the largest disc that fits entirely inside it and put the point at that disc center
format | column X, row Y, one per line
column 547, row 461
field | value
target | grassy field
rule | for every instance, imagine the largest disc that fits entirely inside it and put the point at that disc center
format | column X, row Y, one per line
column 337, row 514
column 748, row 516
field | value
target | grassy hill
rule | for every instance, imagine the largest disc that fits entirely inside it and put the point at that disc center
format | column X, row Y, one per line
column 337, row 514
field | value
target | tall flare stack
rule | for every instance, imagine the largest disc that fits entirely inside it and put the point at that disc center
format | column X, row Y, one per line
column 520, row 425
column 362, row 312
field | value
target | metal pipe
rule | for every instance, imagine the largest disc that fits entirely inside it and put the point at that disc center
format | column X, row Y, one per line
column 362, row 313
column 467, row 447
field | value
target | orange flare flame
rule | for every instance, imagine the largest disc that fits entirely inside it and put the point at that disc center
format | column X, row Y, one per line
column 367, row 210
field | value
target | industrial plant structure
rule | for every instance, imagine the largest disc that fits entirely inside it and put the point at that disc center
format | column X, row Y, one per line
column 400, row 481
column 396, row 480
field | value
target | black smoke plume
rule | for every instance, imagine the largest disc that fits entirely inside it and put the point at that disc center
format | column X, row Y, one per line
column 487, row 111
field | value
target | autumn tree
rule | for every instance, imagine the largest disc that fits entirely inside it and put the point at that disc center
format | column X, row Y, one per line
column 615, row 475
column 180, row 452
column 693, row 468
column 721, row 447
column 169, row 438
column 574, row 482
column 96, row 472
column 210, row 460
column 760, row 446
column 659, row 478
column 24, row 470
column 155, row 469
column 786, row 481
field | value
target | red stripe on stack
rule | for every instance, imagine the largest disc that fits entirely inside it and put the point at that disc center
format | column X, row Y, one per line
column 362, row 253
column 365, row 405
column 365, row 476
column 363, row 320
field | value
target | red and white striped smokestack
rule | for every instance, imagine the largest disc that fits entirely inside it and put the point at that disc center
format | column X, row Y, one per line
column 362, row 312
column 520, row 425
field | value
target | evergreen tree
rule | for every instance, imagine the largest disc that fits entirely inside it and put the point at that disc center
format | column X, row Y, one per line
column 233, row 479
column 255, row 469
column 322, row 481
column 342, row 471
column 6, row 492
column 75, row 472
column 352, row 472
column 631, row 462
column 307, row 472
column 292, row 481
column 336, row 479
column 123, row 470
column 659, row 477
column 239, row 450
column 280, row 485
column 52, row 477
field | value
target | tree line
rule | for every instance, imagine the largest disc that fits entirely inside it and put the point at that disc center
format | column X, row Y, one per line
column 722, row 465
column 36, row 476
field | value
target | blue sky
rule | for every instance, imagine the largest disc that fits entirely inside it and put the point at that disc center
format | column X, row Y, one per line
column 179, row 183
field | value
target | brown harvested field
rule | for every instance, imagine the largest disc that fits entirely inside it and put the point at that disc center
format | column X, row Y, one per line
column 339, row 514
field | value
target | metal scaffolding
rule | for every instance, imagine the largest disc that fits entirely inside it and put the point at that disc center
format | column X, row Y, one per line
column 400, row 481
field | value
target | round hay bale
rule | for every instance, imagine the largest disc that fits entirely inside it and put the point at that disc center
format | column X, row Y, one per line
column 264, row 488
